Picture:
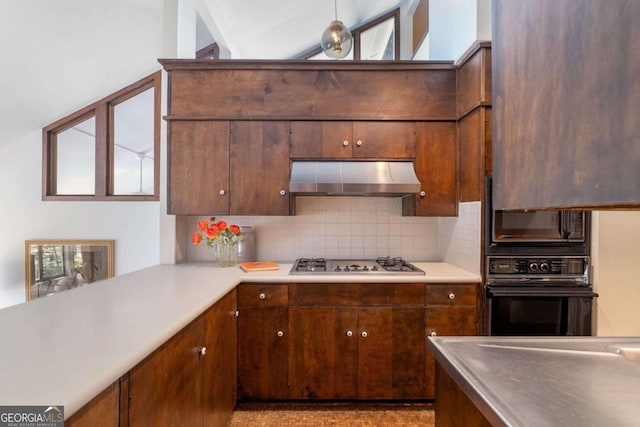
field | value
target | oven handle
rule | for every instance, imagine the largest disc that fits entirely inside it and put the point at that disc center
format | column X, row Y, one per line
column 539, row 291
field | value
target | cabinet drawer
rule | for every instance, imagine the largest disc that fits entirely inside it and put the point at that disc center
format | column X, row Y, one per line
column 262, row 295
column 451, row 294
column 357, row 294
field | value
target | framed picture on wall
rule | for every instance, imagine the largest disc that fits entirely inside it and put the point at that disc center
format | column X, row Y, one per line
column 53, row 266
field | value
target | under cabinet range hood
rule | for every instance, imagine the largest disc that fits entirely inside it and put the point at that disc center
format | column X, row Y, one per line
column 353, row 178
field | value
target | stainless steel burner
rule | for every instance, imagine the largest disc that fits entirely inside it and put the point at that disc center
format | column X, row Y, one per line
column 382, row 265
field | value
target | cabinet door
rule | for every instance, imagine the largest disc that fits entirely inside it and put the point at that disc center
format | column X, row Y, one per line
column 320, row 140
column 474, row 133
column 259, row 168
column 436, row 168
column 198, row 167
column 323, row 352
column 452, row 309
column 262, row 353
column 101, row 411
column 384, row 140
column 220, row 361
column 391, row 350
column 166, row 387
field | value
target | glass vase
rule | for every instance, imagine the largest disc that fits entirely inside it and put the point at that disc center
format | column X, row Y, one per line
column 227, row 254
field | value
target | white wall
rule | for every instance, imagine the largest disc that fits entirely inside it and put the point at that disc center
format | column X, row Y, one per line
column 58, row 57
column 616, row 256
column 452, row 27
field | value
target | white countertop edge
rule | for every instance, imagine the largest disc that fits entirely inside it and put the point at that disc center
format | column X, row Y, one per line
column 73, row 362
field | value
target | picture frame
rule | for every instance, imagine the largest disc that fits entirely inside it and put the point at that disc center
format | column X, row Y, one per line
column 53, row 266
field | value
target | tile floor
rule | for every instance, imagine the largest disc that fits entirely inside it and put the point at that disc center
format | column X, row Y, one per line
column 333, row 414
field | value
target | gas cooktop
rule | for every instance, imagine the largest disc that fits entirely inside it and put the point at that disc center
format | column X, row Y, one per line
column 382, row 265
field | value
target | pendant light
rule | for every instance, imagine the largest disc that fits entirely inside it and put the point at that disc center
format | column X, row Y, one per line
column 336, row 40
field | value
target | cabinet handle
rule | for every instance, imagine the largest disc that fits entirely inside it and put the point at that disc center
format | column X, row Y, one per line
column 202, row 351
column 221, row 192
column 283, row 192
column 280, row 334
column 236, row 314
column 432, row 334
column 423, row 193
column 262, row 295
column 359, row 143
column 364, row 334
column 345, row 142
column 349, row 333
column 452, row 296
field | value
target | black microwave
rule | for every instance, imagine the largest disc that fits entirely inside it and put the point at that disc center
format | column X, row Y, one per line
column 560, row 232
column 534, row 226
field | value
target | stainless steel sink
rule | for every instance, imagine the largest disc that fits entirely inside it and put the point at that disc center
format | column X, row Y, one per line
column 629, row 353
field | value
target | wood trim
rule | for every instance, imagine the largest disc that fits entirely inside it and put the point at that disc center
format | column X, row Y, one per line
column 170, row 64
column 104, row 155
column 476, row 46
column 209, row 52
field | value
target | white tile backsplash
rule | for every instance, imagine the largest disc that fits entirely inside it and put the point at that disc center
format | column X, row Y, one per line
column 356, row 227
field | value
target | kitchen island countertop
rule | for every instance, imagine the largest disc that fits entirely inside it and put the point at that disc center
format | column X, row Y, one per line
column 546, row 381
column 67, row 348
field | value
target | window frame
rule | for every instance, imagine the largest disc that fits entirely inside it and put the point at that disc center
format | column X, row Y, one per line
column 103, row 111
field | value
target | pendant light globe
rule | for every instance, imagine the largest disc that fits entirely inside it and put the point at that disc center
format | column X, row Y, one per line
column 336, row 41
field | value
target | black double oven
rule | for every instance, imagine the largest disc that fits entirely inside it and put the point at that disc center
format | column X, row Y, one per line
column 537, row 272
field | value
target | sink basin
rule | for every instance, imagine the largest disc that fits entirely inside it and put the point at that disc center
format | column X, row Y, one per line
column 629, row 353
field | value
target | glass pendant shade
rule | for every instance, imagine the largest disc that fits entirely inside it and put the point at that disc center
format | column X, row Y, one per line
column 336, row 40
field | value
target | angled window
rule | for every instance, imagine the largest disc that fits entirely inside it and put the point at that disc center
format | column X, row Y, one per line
column 109, row 150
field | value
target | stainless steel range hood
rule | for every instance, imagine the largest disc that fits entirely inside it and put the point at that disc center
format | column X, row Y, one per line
column 353, row 178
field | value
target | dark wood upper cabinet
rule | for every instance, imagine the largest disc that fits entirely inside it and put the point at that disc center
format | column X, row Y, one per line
column 566, row 85
column 310, row 90
column 436, row 169
column 345, row 139
column 198, row 159
column 259, row 171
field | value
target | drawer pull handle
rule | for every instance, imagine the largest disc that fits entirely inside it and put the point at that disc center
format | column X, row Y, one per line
column 423, row 193
column 359, row 143
column 432, row 334
column 221, row 192
column 202, row 351
column 280, row 334
column 345, row 142
column 262, row 295
column 349, row 334
column 452, row 295
column 364, row 334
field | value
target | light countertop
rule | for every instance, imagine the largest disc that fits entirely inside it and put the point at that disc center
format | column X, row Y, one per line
column 546, row 381
column 67, row 348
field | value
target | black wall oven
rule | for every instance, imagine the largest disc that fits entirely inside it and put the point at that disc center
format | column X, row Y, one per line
column 538, row 296
column 537, row 272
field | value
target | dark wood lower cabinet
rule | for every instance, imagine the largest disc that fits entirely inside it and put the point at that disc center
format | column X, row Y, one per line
column 262, row 353
column 340, row 350
column 102, row 411
column 391, row 350
column 453, row 408
column 220, row 362
column 323, row 352
column 180, row 384
column 166, row 388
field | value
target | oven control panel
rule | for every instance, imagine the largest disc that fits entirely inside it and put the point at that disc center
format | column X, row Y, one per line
column 500, row 266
